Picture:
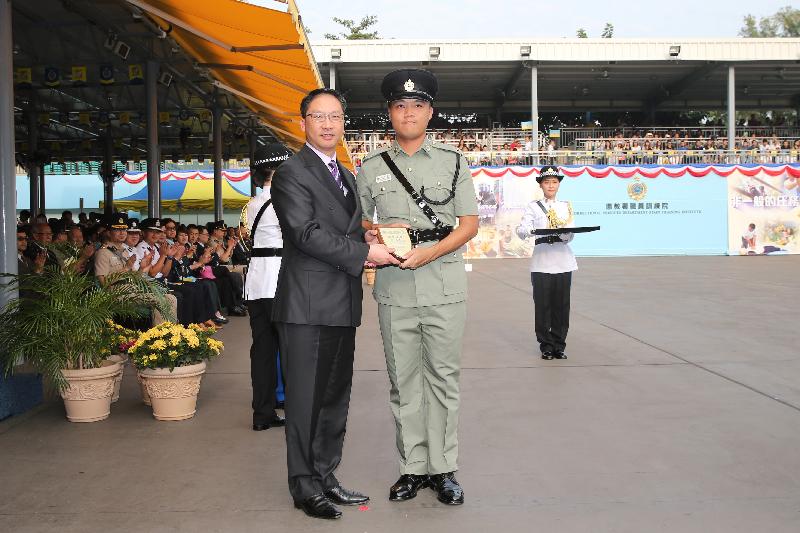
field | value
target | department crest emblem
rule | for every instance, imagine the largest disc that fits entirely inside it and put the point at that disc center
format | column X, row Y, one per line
column 409, row 85
column 637, row 190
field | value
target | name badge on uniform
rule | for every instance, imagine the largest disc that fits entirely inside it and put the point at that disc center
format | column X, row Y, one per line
column 383, row 177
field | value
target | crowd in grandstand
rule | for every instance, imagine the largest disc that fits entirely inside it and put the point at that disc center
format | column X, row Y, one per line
column 659, row 146
column 200, row 266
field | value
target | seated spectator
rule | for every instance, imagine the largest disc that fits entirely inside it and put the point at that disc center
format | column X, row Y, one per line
column 75, row 235
column 26, row 265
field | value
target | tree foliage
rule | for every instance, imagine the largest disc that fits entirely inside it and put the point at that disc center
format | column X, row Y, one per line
column 784, row 23
column 607, row 33
column 355, row 31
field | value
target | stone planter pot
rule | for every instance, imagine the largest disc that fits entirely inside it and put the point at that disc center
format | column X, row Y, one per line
column 143, row 388
column 173, row 395
column 122, row 359
column 369, row 275
column 88, row 398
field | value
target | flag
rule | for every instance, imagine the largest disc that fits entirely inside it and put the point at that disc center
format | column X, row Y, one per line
column 106, row 74
column 135, row 74
column 52, row 77
column 79, row 75
column 23, row 77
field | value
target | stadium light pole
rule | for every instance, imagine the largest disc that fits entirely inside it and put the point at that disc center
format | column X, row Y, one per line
column 8, row 178
column 731, row 108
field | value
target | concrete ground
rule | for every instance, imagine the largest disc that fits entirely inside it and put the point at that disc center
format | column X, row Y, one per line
column 678, row 410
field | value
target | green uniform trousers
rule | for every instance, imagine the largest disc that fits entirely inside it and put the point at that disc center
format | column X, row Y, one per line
column 423, row 357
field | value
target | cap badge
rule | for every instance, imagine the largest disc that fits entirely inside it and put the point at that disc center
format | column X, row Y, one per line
column 409, row 85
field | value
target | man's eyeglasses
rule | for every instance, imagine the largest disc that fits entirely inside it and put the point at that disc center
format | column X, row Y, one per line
column 22, row 238
column 334, row 117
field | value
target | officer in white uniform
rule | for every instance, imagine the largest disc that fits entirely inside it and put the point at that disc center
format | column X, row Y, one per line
column 552, row 264
column 260, row 284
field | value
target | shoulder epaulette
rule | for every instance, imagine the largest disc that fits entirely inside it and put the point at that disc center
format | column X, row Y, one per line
column 374, row 153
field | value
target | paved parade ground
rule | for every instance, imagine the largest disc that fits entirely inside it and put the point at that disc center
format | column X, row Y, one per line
column 678, row 410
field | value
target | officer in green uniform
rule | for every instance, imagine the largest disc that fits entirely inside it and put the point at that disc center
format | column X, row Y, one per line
column 427, row 188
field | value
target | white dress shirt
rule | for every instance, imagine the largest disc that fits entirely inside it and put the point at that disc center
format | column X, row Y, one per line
column 553, row 258
column 262, row 274
column 143, row 248
column 327, row 160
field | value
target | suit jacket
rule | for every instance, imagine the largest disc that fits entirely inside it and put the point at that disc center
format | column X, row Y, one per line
column 323, row 244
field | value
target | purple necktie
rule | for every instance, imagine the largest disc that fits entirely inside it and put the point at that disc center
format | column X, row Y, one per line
column 336, row 177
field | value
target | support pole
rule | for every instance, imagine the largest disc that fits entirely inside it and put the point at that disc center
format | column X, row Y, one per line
column 8, row 178
column 108, row 167
column 253, row 143
column 731, row 108
column 42, row 191
column 535, row 111
column 153, row 154
column 217, row 136
column 33, row 166
column 332, row 79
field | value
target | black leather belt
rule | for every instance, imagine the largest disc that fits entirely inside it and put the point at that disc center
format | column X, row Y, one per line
column 550, row 239
column 423, row 235
column 266, row 252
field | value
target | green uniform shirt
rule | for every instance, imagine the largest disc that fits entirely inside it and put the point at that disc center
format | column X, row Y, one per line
column 442, row 281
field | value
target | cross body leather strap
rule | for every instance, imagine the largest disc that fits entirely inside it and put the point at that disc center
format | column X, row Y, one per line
column 258, row 218
column 422, row 204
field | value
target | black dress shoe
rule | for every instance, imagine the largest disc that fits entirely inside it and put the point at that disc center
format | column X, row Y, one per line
column 407, row 486
column 559, row 355
column 342, row 496
column 276, row 423
column 547, row 355
column 318, row 506
column 447, row 488
column 220, row 320
column 238, row 311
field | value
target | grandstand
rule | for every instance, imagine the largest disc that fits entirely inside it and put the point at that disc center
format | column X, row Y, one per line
column 494, row 94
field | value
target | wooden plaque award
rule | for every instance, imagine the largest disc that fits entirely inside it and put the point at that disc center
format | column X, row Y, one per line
column 396, row 238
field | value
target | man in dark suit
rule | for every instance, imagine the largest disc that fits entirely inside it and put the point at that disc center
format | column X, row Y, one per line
column 317, row 303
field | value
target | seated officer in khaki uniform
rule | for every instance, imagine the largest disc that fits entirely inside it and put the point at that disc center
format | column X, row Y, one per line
column 422, row 303
column 110, row 258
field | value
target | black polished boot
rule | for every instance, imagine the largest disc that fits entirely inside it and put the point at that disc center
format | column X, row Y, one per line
column 448, row 491
column 407, row 486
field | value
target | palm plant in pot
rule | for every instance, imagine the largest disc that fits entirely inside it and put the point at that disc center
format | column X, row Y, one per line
column 59, row 327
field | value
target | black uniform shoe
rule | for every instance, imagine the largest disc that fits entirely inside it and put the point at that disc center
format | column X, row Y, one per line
column 220, row 320
column 447, row 488
column 342, row 496
column 276, row 423
column 547, row 355
column 559, row 355
column 238, row 311
column 407, row 486
column 318, row 506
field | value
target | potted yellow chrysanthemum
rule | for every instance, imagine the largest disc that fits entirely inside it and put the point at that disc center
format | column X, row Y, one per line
column 171, row 360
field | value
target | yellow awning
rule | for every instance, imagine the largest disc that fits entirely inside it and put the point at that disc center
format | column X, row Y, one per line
column 258, row 54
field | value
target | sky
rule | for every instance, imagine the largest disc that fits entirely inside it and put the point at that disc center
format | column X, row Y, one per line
column 475, row 19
